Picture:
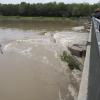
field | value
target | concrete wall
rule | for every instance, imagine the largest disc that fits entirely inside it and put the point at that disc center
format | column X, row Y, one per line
column 90, row 83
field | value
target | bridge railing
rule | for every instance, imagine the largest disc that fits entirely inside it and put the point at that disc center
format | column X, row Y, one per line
column 90, row 83
column 96, row 23
column 97, row 29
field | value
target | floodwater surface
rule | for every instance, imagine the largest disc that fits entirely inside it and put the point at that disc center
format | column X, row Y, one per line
column 30, row 65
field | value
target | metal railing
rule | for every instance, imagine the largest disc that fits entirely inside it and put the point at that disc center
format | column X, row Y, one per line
column 97, row 29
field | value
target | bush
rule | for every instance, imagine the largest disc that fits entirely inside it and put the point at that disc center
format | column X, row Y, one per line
column 73, row 63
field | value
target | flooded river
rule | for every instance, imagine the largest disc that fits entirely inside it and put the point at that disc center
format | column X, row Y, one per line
column 30, row 66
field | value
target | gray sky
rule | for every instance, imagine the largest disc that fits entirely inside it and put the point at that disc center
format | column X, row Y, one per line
column 44, row 1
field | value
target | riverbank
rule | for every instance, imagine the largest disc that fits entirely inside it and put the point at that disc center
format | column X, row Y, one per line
column 33, row 18
column 40, row 18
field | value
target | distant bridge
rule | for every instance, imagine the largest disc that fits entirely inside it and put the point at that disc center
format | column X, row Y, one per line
column 90, row 83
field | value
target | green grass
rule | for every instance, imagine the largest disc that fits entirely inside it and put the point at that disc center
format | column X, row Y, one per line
column 73, row 63
column 35, row 18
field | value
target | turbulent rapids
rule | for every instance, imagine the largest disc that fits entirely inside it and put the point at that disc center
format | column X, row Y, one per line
column 30, row 66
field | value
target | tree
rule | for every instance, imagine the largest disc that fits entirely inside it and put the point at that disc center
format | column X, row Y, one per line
column 51, row 9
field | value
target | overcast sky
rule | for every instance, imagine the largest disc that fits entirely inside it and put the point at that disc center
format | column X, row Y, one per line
column 44, row 1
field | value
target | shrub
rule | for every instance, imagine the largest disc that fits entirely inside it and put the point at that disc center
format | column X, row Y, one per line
column 73, row 63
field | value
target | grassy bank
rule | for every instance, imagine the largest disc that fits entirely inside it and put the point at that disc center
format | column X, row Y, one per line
column 36, row 18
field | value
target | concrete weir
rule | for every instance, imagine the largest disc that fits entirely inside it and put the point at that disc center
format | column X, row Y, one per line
column 90, row 83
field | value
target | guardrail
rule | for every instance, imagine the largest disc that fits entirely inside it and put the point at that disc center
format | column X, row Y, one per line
column 90, row 83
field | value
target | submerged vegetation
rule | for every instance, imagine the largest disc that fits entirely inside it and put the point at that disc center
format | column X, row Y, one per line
column 51, row 9
column 72, row 62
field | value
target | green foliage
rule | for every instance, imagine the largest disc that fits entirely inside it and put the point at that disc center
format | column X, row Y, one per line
column 51, row 9
column 72, row 62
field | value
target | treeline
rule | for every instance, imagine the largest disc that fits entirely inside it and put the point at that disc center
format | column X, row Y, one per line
column 48, row 9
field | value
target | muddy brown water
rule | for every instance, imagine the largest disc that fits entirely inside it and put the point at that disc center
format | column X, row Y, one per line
column 30, row 67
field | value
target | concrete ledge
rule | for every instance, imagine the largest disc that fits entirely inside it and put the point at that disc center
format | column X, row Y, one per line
column 83, row 91
column 90, row 83
column 84, row 82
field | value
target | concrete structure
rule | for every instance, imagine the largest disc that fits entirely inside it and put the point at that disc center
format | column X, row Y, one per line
column 90, row 83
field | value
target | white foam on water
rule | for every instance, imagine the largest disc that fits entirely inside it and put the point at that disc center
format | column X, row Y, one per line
column 79, row 28
column 66, row 38
column 45, row 60
column 63, row 39
column 60, row 96
column 25, row 46
column 7, row 46
column 16, row 47
column 72, row 91
column 27, row 52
